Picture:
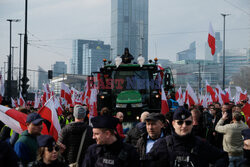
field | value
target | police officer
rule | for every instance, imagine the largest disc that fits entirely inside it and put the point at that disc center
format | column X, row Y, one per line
column 182, row 148
column 246, row 137
column 109, row 149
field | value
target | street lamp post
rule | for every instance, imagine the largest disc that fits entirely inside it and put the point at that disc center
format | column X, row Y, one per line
column 224, row 25
column 12, row 61
column 20, row 64
column 25, row 79
column 9, row 62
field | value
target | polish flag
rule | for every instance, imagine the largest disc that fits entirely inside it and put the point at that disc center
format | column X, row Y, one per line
column 58, row 106
column 221, row 94
column 192, row 98
column 246, row 111
column 160, row 75
column 66, row 93
column 243, row 96
column 13, row 103
column 47, row 91
column 21, row 101
column 204, row 101
column 164, row 102
column 13, row 119
column 179, row 97
column 211, row 39
column 93, row 103
column 210, row 90
column 49, row 114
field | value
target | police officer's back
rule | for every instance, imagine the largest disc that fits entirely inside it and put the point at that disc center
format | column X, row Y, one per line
column 109, row 150
column 182, row 148
column 246, row 136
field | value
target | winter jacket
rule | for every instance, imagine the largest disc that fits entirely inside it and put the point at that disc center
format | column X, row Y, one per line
column 117, row 154
column 135, row 133
column 119, row 129
column 232, row 139
column 71, row 136
column 8, row 156
column 26, row 148
column 55, row 163
column 175, row 150
column 142, row 144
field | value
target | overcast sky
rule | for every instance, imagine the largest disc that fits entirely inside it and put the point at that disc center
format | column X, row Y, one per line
column 173, row 25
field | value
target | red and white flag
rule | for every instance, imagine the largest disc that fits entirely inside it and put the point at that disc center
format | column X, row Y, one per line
column 13, row 103
column 93, row 103
column 13, row 119
column 164, row 102
column 210, row 90
column 58, row 106
column 66, row 93
column 211, row 39
column 49, row 114
column 192, row 98
column 21, row 101
column 179, row 97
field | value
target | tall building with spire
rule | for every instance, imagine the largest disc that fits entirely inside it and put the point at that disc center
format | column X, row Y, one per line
column 129, row 27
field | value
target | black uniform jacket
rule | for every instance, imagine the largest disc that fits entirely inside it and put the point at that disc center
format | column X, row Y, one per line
column 118, row 154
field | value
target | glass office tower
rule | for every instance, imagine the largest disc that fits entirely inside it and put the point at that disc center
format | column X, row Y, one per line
column 129, row 27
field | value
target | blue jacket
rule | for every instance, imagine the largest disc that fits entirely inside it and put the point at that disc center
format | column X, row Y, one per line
column 26, row 148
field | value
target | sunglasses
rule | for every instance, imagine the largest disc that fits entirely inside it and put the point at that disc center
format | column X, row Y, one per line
column 188, row 122
column 51, row 148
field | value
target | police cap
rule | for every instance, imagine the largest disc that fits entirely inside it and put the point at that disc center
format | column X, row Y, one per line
column 45, row 141
column 181, row 114
column 107, row 122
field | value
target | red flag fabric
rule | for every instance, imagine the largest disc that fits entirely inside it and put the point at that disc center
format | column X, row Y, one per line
column 13, row 119
column 21, row 100
column 66, row 93
column 211, row 39
column 48, row 112
column 164, row 103
column 246, row 110
column 211, row 91
column 192, row 98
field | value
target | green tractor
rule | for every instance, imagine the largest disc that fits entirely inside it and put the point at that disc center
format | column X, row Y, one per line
column 132, row 88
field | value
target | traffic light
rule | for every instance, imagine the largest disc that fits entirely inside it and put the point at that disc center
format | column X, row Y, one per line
column 50, row 74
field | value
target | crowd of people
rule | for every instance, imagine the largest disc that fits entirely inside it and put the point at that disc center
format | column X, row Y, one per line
column 187, row 136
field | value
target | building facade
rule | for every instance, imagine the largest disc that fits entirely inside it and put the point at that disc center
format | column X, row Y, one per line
column 129, row 27
column 88, row 56
column 234, row 60
column 191, row 71
column 42, row 77
column 188, row 54
column 59, row 68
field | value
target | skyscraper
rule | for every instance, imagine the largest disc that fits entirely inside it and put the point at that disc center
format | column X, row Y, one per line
column 188, row 54
column 88, row 56
column 129, row 27
column 59, row 68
